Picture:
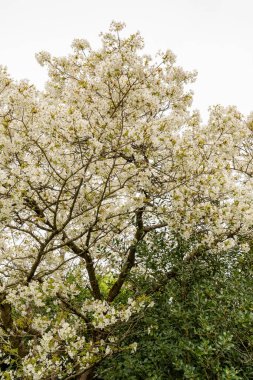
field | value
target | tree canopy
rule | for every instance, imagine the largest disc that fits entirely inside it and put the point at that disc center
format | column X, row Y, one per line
column 91, row 169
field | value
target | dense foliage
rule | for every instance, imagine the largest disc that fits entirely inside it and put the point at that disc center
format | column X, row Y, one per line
column 91, row 169
column 201, row 326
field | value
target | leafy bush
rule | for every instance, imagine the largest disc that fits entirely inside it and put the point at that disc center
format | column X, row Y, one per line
column 200, row 327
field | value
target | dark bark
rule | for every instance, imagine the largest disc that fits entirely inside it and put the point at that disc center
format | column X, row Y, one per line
column 130, row 261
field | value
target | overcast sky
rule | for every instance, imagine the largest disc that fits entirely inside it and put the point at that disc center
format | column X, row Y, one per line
column 215, row 37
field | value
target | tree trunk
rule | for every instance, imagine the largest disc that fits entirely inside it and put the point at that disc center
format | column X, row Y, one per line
column 87, row 375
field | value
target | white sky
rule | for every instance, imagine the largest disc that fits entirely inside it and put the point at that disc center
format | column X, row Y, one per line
column 213, row 36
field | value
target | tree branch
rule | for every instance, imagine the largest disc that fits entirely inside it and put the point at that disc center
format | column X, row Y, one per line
column 84, row 253
column 130, row 261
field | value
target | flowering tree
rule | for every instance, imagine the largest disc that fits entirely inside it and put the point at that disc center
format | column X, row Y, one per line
column 89, row 168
